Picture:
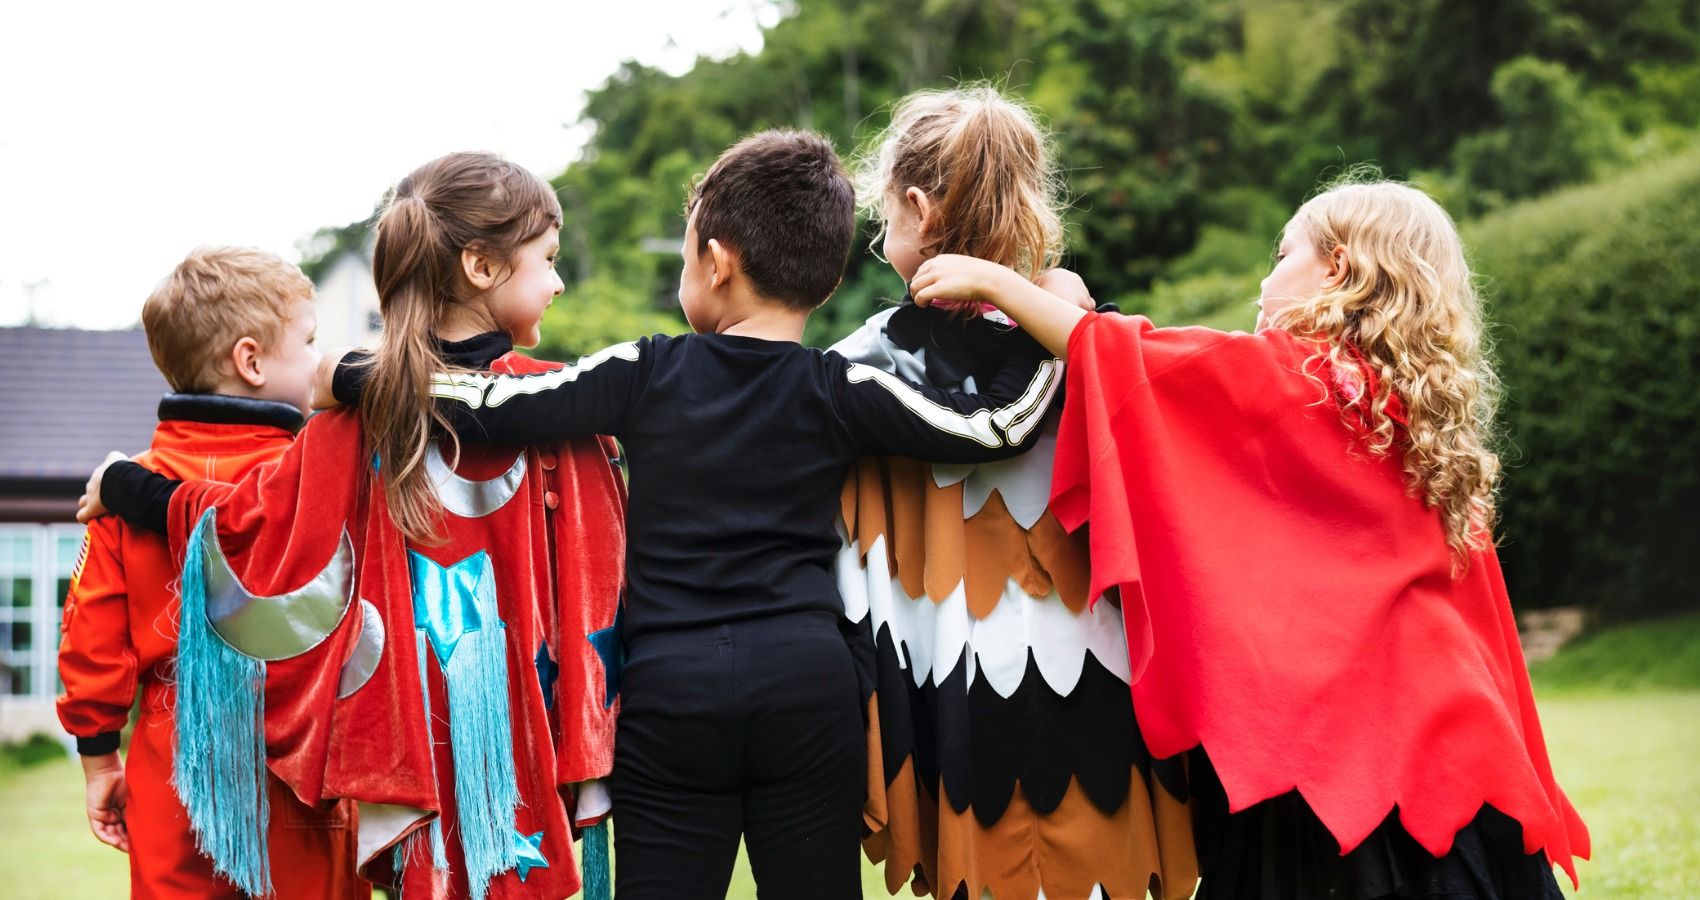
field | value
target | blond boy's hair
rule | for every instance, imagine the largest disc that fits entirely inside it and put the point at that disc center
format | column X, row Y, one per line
column 1408, row 311
column 215, row 297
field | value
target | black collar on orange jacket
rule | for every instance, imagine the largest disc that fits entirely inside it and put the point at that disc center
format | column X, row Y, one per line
column 224, row 409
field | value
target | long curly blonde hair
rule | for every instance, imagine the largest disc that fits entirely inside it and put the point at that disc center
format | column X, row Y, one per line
column 1408, row 316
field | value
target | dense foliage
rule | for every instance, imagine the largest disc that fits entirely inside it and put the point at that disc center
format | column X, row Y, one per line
column 1596, row 292
column 1190, row 129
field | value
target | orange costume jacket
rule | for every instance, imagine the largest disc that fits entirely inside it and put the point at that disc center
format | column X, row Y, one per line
column 120, row 634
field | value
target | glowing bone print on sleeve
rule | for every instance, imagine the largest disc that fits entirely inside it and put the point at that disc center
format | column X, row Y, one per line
column 983, row 425
column 477, row 390
column 976, row 602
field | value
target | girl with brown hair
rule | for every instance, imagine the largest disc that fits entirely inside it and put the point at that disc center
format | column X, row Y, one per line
column 425, row 628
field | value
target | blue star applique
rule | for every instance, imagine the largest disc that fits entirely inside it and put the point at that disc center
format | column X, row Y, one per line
column 528, row 853
column 446, row 599
column 613, row 654
column 547, row 673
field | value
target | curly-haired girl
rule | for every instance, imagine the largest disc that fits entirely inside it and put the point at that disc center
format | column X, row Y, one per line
column 1300, row 521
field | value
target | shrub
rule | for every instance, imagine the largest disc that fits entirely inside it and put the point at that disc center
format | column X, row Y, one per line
column 1596, row 295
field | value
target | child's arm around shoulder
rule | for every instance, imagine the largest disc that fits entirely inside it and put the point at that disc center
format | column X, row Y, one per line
column 136, row 494
column 886, row 415
column 1049, row 318
column 590, row 396
column 1128, row 349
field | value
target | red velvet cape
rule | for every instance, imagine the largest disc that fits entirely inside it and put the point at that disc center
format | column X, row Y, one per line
column 1292, row 607
column 557, row 549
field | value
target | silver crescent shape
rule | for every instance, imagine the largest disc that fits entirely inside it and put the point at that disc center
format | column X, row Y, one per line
column 368, row 650
column 471, row 499
column 282, row 625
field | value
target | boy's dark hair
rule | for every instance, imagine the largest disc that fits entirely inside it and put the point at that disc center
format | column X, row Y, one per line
column 783, row 200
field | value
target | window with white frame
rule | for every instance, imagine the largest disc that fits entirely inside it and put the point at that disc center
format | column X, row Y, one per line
column 36, row 562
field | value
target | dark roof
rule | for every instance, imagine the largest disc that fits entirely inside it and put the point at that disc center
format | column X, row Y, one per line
column 69, row 396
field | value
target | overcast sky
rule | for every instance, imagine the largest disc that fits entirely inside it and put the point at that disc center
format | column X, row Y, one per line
column 131, row 132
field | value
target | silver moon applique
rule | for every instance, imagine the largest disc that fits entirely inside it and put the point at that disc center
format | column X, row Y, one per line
column 368, row 650
column 282, row 625
column 467, row 498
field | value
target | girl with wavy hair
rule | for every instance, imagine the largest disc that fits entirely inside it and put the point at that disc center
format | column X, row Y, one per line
column 1300, row 525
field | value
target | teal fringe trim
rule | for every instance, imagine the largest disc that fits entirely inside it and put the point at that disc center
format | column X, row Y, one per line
column 439, row 853
column 486, row 793
column 398, row 861
column 597, row 880
column 220, row 770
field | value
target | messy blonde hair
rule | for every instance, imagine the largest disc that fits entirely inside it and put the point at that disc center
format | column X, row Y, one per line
column 1407, row 315
column 988, row 167
column 215, row 297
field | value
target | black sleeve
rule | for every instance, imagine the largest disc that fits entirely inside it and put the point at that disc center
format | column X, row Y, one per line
column 99, row 745
column 591, row 396
column 138, row 495
column 348, row 382
column 886, row 415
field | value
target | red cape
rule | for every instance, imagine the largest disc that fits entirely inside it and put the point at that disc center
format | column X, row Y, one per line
column 557, row 549
column 1291, row 605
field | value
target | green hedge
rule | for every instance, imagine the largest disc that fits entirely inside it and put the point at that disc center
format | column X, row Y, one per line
column 1658, row 654
column 1595, row 292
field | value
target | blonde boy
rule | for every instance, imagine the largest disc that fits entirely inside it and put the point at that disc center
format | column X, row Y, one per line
column 232, row 330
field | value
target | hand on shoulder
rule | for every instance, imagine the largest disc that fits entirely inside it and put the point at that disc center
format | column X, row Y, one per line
column 324, row 397
column 963, row 279
column 89, row 506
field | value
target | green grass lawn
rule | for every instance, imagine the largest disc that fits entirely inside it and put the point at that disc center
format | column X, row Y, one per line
column 1631, row 765
column 46, row 849
column 1621, row 711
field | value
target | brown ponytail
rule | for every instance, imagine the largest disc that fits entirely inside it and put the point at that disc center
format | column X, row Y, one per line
column 988, row 167
column 461, row 201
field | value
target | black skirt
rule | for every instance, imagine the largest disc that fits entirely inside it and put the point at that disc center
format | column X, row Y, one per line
column 1279, row 850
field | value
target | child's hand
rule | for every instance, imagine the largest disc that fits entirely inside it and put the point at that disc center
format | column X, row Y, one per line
column 323, row 398
column 1069, row 286
column 105, row 796
column 89, row 506
column 1050, row 319
column 962, row 279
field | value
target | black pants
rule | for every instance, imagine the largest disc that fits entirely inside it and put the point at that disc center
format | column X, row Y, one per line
column 752, row 728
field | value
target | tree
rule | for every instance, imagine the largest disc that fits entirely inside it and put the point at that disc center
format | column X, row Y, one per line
column 1548, row 136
